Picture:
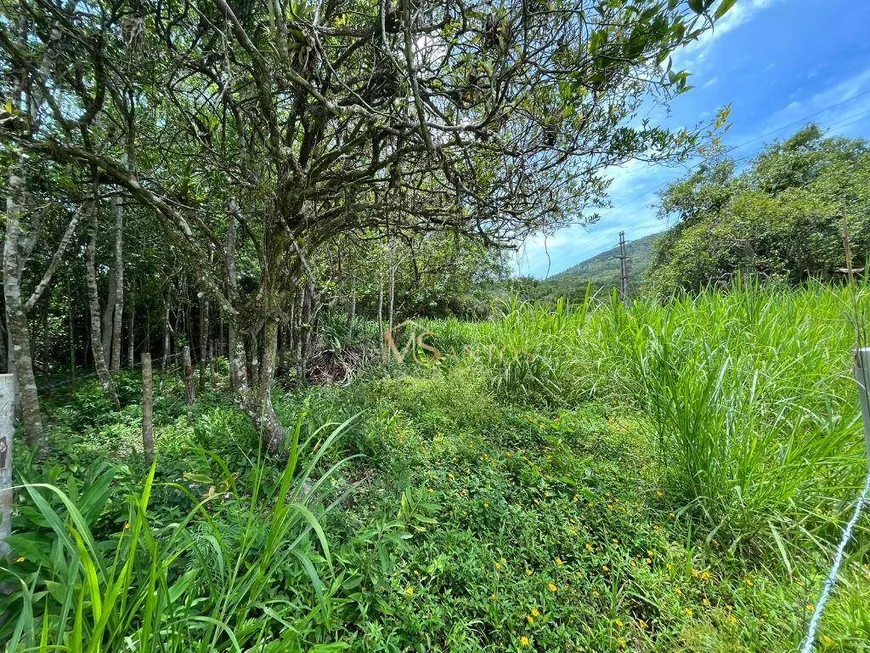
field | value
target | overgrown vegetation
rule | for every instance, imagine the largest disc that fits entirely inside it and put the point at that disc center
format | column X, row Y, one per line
column 578, row 478
column 359, row 438
column 786, row 216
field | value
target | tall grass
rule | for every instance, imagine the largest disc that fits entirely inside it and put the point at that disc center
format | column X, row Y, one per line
column 753, row 411
column 531, row 354
column 236, row 573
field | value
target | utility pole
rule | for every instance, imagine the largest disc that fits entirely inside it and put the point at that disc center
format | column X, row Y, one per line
column 623, row 268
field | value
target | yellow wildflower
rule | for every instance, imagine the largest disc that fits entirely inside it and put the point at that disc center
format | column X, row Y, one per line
column 688, row 611
column 552, row 587
column 535, row 612
column 528, row 572
column 409, row 590
column 559, row 562
column 811, row 608
column 530, row 619
column 524, row 640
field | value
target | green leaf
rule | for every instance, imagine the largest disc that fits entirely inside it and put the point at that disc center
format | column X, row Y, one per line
column 723, row 8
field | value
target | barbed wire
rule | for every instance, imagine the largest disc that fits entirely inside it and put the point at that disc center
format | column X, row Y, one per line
column 831, row 580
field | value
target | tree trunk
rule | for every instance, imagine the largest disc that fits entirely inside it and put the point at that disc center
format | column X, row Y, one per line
column 203, row 340
column 7, row 430
column 20, row 358
column 351, row 312
column 189, row 390
column 260, row 408
column 167, row 347
column 212, row 365
column 131, row 340
column 119, row 284
column 381, row 333
column 282, row 349
column 220, row 343
column 147, row 409
column 99, row 354
column 46, row 346
column 237, row 379
column 392, row 290
column 72, row 340
column 4, row 361
column 107, row 322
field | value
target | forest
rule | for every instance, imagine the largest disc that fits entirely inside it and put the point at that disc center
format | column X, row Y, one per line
column 271, row 384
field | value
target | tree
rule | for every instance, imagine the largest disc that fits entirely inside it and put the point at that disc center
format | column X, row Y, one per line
column 784, row 217
column 311, row 122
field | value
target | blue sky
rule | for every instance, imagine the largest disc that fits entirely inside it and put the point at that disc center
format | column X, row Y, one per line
column 780, row 64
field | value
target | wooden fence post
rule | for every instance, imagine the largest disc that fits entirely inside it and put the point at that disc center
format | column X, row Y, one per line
column 7, row 430
column 862, row 376
column 189, row 389
column 147, row 409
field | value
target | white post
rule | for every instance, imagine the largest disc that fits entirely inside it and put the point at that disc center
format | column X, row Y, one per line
column 862, row 376
column 7, row 430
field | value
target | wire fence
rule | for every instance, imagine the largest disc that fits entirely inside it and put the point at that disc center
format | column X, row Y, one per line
column 831, row 580
column 808, row 643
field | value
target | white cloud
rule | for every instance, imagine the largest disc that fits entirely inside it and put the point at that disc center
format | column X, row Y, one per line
column 835, row 108
column 632, row 194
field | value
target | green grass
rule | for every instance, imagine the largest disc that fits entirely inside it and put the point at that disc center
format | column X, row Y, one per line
column 666, row 477
column 242, row 566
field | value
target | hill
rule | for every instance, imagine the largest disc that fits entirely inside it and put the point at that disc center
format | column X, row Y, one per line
column 603, row 269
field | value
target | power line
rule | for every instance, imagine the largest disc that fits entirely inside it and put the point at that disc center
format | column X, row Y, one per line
column 838, row 124
column 761, row 137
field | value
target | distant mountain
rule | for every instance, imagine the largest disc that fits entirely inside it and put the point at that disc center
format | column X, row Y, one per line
column 603, row 269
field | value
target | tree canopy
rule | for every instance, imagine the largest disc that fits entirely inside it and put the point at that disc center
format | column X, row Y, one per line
column 785, row 216
column 260, row 146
